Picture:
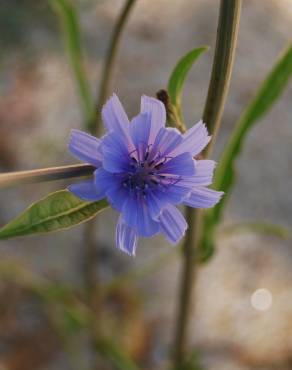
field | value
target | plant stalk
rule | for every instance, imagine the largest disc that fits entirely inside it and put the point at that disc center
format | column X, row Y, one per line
column 45, row 174
column 109, row 62
column 95, row 129
column 91, row 250
column 228, row 25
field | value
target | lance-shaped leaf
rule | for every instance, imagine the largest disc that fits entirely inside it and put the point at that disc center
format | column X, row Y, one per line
column 72, row 37
column 224, row 178
column 178, row 76
column 58, row 211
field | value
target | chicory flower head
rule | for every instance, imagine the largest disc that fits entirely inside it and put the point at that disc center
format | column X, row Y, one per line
column 145, row 170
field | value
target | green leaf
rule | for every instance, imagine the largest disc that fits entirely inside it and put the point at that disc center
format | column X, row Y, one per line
column 58, row 211
column 266, row 96
column 72, row 37
column 178, row 76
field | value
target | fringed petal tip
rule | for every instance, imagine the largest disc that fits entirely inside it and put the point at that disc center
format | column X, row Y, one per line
column 194, row 140
column 126, row 238
column 114, row 116
column 125, row 250
column 172, row 224
column 202, row 197
column 154, row 106
column 204, row 134
column 201, row 125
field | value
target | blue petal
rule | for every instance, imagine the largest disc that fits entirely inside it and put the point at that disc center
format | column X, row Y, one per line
column 126, row 238
column 157, row 113
column 130, row 210
column 194, row 140
column 115, row 163
column 166, row 142
column 137, row 214
column 155, row 204
column 86, row 190
column 173, row 194
column 105, row 180
column 204, row 169
column 116, row 120
column 202, row 197
column 146, row 226
column 172, row 224
column 116, row 153
column 111, row 185
column 85, row 147
column 158, row 199
column 139, row 131
column 114, row 115
column 117, row 197
column 182, row 165
column 113, row 142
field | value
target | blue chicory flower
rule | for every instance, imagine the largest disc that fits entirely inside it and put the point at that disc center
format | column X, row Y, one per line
column 145, row 170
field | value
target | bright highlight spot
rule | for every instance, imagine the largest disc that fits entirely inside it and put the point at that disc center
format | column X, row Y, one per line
column 261, row 299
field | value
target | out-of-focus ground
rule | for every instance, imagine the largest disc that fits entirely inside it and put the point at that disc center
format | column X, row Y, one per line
column 39, row 106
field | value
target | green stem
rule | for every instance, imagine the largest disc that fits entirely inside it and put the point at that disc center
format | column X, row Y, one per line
column 91, row 250
column 227, row 32
column 185, row 288
column 95, row 128
column 228, row 25
column 110, row 59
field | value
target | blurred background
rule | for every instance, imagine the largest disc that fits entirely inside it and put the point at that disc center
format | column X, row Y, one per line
column 235, row 325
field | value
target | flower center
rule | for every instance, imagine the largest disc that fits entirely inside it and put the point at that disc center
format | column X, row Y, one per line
column 140, row 176
column 145, row 175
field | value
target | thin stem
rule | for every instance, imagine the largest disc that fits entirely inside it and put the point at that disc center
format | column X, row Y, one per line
column 110, row 59
column 186, row 287
column 228, row 23
column 95, row 128
column 45, row 174
column 91, row 251
column 228, row 26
